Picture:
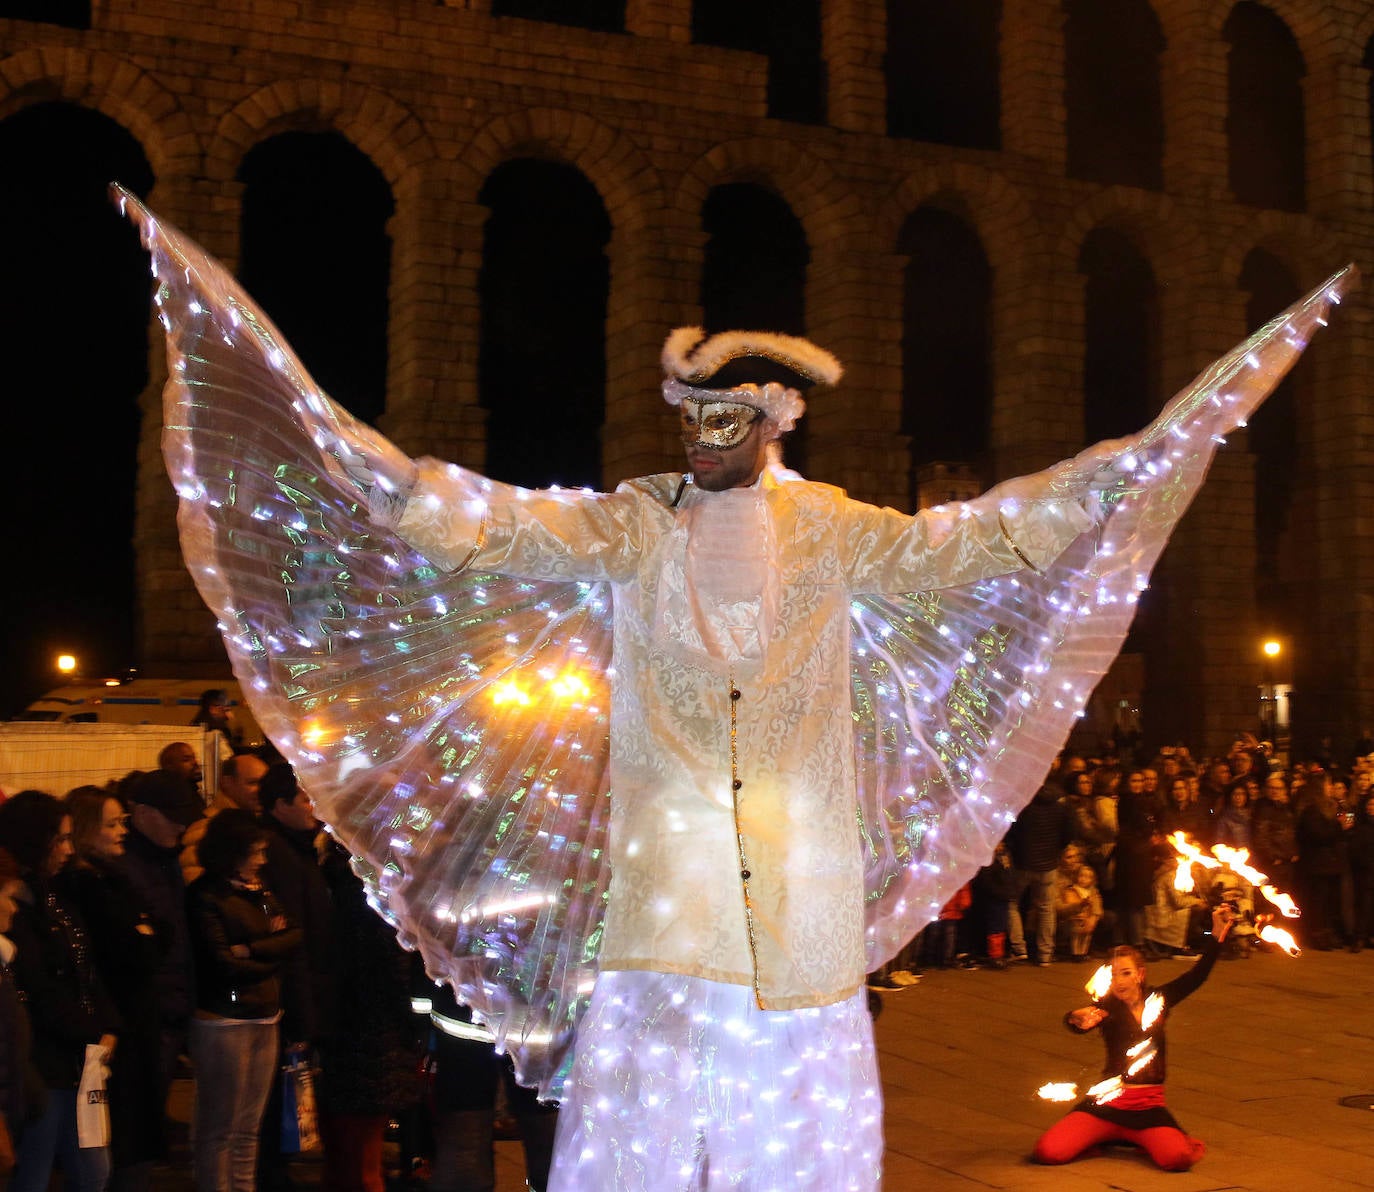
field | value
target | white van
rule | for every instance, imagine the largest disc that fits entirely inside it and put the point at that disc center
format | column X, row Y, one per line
column 139, row 701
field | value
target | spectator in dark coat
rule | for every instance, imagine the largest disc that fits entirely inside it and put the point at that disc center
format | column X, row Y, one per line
column 1273, row 834
column 241, row 938
column 67, row 1004
column 294, row 876
column 998, row 887
column 161, row 806
column 369, row 1062
column 1035, row 841
column 1360, row 845
column 1139, row 837
column 1182, row 814
column 1321, row 866
column 125, row 948
column 21, row 1090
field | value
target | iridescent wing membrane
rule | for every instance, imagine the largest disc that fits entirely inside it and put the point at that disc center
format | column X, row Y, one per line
column 962, row 697
column 452, row 730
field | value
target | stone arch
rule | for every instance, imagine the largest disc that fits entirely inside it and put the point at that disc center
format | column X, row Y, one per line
column 1177, row 250
column 1315, row 29
column 991, row 204
column 1311, row 251
column 628, row 184
column 382, row 128
column 112, row 86
column 806, row 184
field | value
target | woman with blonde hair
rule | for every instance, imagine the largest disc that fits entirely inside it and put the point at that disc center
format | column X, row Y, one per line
column 125, row 949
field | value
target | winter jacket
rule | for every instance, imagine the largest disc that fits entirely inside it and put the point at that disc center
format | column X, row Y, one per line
column 221, row 915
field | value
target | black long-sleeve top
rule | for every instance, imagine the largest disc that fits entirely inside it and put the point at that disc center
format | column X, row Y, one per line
column 1121, row 1031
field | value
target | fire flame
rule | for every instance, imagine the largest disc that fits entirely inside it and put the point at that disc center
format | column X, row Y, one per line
column 1284, row 939
column 1189, row 854
column 1107, row 1090
column 1057, row 1091
column 1154, row 1007
column 1141, row 1061
column 1284, row 902
column 1237, row 859
column 1100, row 983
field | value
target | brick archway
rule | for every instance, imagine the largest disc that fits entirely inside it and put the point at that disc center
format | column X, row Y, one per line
column 112, row 86
column 385, row 130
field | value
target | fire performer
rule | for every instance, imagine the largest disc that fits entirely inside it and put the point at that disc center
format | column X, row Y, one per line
column 1132, row 1018
column 700, row 752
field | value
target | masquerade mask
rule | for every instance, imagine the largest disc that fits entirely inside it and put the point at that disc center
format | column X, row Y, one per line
column 716, row 424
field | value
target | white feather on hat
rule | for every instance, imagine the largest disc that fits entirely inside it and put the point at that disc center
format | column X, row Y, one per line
column 690, row 355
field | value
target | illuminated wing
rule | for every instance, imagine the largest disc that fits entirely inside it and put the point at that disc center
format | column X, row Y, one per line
column 452, row 730
column 961, row 698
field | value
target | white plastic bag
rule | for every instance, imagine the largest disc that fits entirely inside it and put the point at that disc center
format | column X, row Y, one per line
column 92, row 1104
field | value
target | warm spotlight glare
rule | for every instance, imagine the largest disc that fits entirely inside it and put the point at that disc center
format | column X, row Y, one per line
column 313, row 733
column 66, row 664
column 510, row 692
column 570, row 686
column 1272, row 649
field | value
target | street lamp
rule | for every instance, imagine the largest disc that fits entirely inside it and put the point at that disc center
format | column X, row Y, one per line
column 66, row 665
column 1269, row 704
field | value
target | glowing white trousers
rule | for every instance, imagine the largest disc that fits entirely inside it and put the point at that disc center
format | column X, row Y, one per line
column 684, row 1084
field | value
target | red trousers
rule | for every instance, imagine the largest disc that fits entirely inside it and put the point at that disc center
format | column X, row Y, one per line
column 1170, row 1148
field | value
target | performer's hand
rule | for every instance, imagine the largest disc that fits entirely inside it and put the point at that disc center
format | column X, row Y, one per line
column 383, row 474
column 1088, row 1017
column 1222, row 918
column 1118, row 479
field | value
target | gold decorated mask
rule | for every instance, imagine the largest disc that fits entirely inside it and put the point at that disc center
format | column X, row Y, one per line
column 716, row 424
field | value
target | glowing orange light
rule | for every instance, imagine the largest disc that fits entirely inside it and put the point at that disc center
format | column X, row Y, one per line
column 1142, row 1061
column 1057, row 1091
column 1154, row 1007
column 1284, row 902
column 314, row 733
column 1237, row 859
column 1284, row 939
column 1107, row 1090
column 508, row 691
column 1100, row 983
column 570, row 685
column 1189, row 854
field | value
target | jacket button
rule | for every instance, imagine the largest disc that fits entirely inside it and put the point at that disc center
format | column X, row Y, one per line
column 745, row 874
column 734, row 693
column 734, row 786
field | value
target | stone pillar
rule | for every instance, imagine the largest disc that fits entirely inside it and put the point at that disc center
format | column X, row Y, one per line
column 1333, row 646
column 854, row 439
column 649, row 274
column 1032, row 47
column 1037, row 320
column 853, row 44
column 435, row 320
column 1338, row 138
column 1194, row 86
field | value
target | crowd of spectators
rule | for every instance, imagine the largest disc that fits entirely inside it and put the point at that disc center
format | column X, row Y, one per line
column 1089, row 863
column 162, row 928
column 225, row 936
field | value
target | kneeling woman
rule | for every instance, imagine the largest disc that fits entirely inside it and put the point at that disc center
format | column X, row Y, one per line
column 1138, row 1113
